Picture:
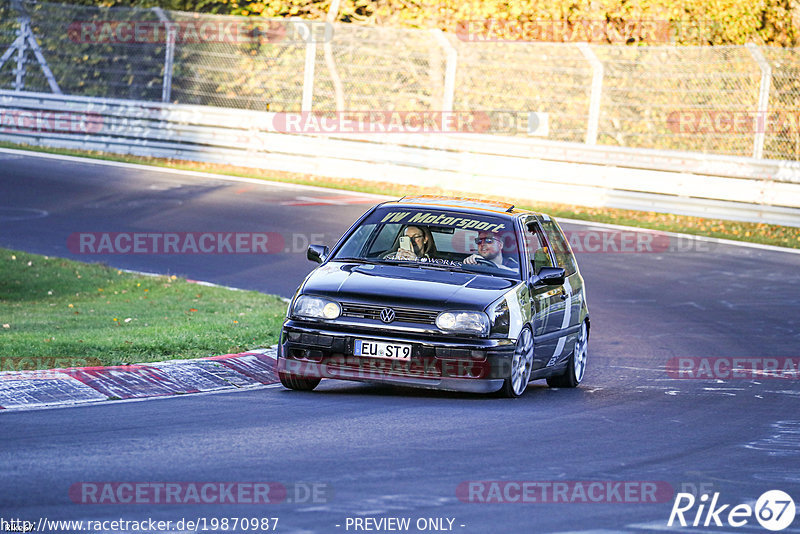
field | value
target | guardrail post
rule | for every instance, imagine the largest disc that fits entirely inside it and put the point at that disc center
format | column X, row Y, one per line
column 760, row 126
column 169, row 62
column 597, row 91
column 338, row 88
column 308, row 70
column 448, row 95
column 169, row 53
column 19, row 79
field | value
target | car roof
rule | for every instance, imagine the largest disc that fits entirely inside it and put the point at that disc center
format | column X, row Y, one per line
column 461, row 203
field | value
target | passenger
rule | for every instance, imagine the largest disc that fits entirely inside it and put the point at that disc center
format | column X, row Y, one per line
column 490, row 248
column 422, row 245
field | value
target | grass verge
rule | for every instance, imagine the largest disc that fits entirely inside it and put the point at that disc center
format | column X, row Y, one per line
column 61, row 313
column 767, row 234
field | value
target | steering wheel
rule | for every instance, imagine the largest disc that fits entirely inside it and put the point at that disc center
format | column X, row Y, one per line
column 480, row 260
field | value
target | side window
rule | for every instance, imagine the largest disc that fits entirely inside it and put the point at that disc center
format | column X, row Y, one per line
column 536, row 246
column 354, row 245
column 561, row 247
column 385, row 240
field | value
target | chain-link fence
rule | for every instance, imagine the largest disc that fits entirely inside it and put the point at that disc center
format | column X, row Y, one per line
column 737, row 100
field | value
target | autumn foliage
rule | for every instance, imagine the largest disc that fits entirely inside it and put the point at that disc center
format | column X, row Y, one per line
column 695, row 22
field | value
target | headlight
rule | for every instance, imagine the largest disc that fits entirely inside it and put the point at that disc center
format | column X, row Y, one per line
column 316, row 308
column 499, row 316
column 463, row 321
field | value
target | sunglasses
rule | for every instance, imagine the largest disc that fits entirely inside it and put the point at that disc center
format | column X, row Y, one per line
column 481, row 240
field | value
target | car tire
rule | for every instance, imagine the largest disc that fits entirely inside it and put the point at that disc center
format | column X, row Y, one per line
column 291, row 380
column 576, row 365
column 521, row 364
column 298, row 383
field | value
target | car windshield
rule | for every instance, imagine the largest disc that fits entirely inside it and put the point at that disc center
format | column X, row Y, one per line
column 435, row 238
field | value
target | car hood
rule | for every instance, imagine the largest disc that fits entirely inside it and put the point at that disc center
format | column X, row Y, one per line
column 406, row 286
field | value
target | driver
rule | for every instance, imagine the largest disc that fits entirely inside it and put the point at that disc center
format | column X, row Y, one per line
column 490, row 248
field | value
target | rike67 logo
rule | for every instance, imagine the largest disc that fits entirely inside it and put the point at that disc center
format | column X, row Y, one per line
column 774, row 510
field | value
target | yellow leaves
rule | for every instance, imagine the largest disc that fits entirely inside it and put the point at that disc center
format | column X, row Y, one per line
column 70, row 305
column 100, row 289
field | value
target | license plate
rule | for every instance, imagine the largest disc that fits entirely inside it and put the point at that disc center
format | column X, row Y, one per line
column 379, row 349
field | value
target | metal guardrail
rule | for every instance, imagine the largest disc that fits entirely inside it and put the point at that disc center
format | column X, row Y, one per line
column 726, row 187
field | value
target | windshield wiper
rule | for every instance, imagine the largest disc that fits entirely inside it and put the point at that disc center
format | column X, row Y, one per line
column 394, row 262
column 353, row 260
column 375, row 261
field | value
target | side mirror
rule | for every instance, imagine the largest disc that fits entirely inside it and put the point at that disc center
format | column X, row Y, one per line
column 549, row 276
column 318, row 253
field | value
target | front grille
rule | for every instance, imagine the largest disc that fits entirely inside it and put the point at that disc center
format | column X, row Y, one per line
column 403, row 315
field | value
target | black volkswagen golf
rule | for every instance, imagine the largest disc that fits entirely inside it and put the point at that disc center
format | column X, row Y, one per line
column 443, row 293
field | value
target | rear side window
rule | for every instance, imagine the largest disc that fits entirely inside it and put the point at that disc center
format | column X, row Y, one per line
column 561, row 247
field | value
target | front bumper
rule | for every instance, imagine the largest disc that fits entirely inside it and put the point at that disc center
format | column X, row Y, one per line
column 437, row 362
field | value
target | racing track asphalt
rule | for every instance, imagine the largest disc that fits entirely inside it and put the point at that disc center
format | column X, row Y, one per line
column 388, row 452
